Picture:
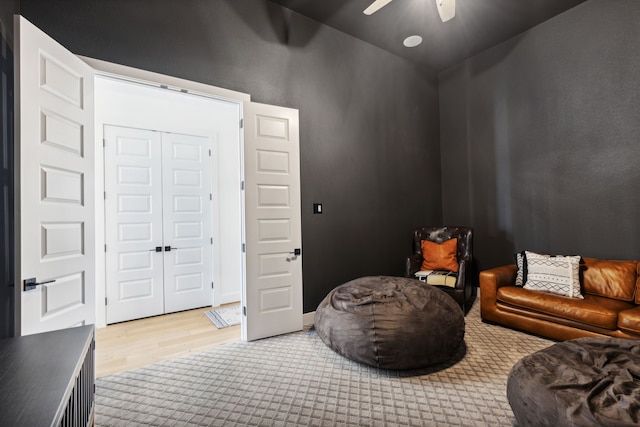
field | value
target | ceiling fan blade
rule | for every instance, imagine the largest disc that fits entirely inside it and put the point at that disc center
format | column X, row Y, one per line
column 446, row 9
column 376, row 6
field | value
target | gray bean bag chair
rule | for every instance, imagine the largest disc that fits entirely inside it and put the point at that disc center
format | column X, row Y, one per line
column 391, row 322
column 581, row 382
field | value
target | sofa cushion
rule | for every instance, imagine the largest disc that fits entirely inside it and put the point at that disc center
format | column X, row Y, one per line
column 592, row 310
column 629, row 321
column 611, row 279
column 440, row 256
column 553, row 273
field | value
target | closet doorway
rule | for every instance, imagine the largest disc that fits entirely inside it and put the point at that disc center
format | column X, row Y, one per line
column 158, row 222
column 172, row 208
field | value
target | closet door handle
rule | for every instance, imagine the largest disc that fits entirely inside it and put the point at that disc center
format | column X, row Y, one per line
column 160, row 249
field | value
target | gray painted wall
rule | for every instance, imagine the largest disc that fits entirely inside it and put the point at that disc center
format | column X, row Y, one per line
column 369, row 127
column 540, row 138
column 8, row 8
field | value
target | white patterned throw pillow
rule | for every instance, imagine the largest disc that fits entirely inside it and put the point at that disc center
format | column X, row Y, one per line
column 520, row 272
column 556, row 274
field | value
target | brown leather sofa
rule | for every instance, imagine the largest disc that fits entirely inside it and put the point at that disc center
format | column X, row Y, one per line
column 611, row 304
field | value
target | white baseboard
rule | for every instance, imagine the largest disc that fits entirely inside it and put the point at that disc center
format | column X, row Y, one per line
column 307, row 319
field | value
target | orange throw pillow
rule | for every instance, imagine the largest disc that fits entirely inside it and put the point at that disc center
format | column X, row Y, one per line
column 440, row 256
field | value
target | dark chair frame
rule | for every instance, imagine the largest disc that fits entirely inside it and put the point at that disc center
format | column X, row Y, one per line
column 465, row 290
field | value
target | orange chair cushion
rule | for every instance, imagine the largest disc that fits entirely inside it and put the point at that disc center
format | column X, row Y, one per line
column 440, row 256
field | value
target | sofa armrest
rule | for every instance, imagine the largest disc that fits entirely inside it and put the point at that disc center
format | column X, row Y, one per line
column 412, row 265
column 490, row 281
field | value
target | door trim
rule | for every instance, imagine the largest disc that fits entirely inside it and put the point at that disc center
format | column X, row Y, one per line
column 129, row 74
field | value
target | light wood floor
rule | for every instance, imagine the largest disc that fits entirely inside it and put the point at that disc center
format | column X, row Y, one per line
column 128, row 345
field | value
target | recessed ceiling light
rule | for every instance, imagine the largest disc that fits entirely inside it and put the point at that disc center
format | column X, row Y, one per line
column 412, row 41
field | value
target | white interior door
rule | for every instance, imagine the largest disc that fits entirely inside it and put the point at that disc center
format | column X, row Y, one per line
column 273, row 293
column 55, row 220
column 188, row 237
column 133, row 229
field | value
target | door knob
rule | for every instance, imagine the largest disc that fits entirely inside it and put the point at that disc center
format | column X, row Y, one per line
column 296, row 252
column 157, row 249
column 30, row 284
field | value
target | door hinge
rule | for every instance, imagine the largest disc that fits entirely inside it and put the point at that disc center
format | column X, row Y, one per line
column 212, row 240
column 244, row 310
column 105, row 248
column 105, row 301
column 104, row 142
column 241, row 123
column 209, row 152
column 244, row 248
column 211, row 285
column 210, row 196
column 242, row 185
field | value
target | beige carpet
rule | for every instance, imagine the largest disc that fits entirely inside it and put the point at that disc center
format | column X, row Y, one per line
column 296, row 380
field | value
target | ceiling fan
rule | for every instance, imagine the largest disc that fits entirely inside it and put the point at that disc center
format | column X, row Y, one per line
column 446, row 8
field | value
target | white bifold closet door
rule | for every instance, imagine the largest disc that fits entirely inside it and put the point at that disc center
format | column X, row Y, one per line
column 158, row 223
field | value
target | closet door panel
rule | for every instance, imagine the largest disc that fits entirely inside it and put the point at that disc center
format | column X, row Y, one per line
column 187, row 216
column 133, row 230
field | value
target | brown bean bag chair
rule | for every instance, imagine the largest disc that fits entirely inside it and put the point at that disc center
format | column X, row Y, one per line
column 391, row 322
column 581, row 382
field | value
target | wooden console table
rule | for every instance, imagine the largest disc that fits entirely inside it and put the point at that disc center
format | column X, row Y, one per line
column 48, row 379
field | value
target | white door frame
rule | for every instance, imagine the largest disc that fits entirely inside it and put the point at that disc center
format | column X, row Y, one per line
column 107, row 69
